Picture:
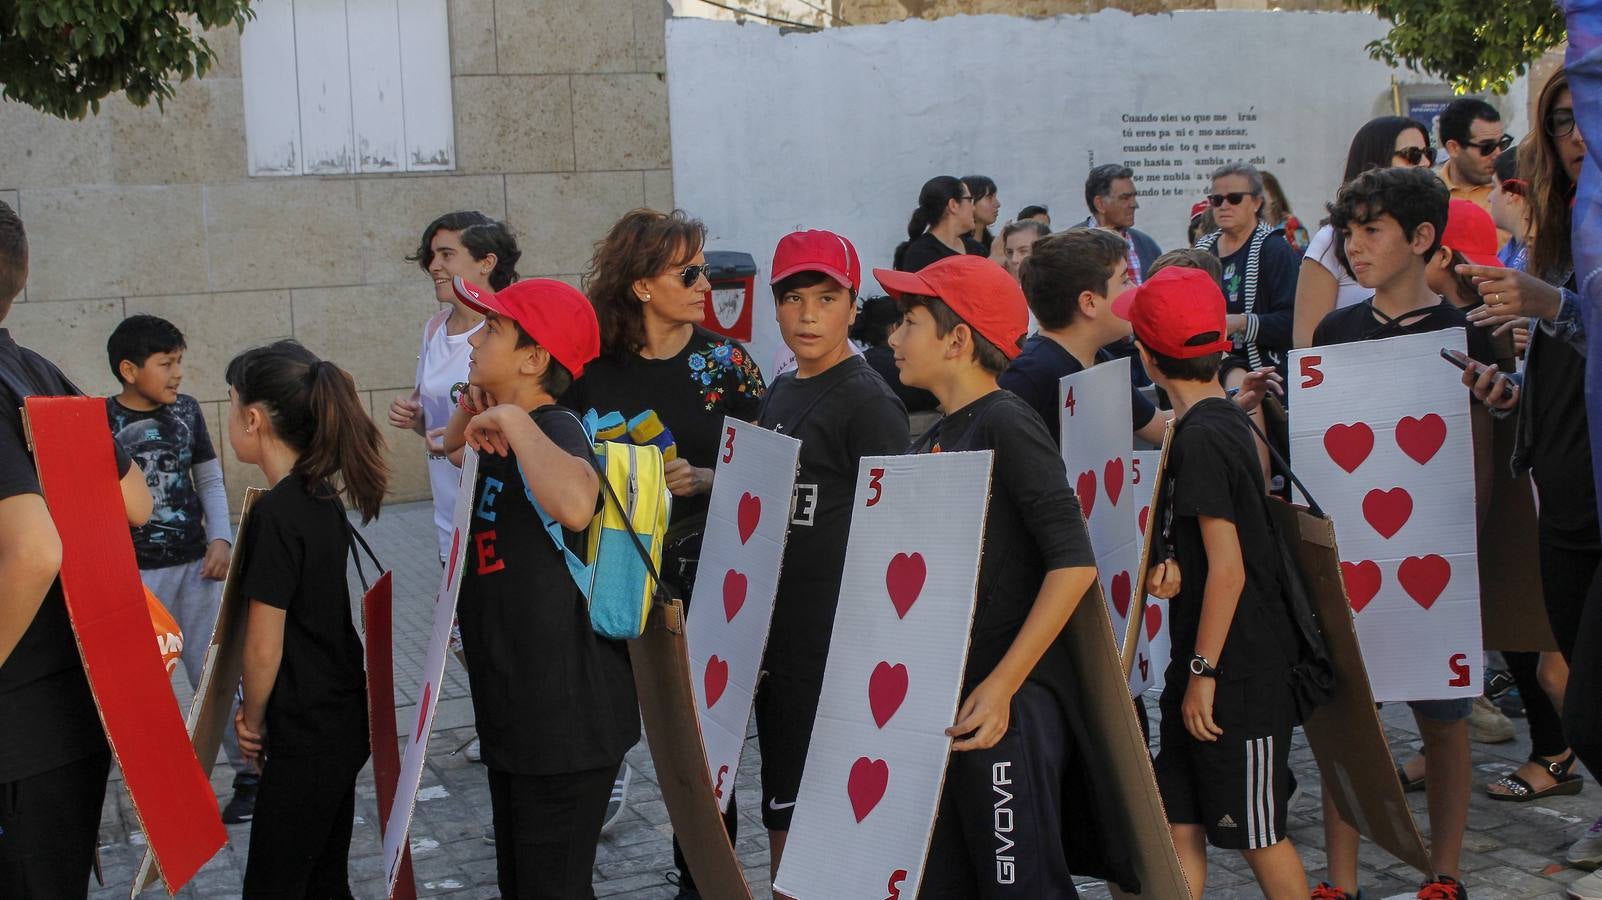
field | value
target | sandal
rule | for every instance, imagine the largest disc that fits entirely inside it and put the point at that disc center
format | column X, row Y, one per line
column 1410, row 785
column 1566, row 782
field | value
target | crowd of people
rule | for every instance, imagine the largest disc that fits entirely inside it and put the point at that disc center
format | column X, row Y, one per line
column 981, row 323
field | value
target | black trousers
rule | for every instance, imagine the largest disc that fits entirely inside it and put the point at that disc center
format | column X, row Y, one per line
column 546, row 829
column 1573, row 587
column 1546, row 728
column 300, row 836
column 49, row 826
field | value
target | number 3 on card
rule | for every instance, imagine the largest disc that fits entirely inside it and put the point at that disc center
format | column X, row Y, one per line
column 728, row 444
column 875, row 482
column 1311, row 376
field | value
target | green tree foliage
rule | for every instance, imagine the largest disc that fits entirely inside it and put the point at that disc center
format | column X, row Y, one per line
column 65, row 56
column 1475, row 45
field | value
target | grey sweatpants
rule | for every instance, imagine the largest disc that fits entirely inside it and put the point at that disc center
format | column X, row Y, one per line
column 194, row 602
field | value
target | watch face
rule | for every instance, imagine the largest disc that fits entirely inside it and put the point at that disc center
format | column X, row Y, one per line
column 1195, row 666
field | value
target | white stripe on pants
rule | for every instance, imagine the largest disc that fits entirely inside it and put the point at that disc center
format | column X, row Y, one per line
column 1260, row 824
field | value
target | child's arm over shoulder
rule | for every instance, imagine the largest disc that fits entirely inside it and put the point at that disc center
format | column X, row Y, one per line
column 564, row 484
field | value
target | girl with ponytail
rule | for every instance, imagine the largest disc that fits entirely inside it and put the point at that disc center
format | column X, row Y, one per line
column 304, row 716
column 944, row 215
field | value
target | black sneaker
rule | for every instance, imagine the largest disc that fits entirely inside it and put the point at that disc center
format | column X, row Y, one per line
column 620, row 796
column 241, row 807
column 1497, row 683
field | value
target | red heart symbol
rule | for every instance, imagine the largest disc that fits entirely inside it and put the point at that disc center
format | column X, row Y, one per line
column 887, row 687
column 715, row 680
column 733, row 594
column 1154, row 621
column 1388, row 510
column 1145, row 511
column 1120, row 592
column 1421, row 438
column 422, row 708
column 1085, row 487
column 866, row 784
column 1112, row 479
column 904, row 580
column 456, row 544
column 750, row 513
column 1349, row 445
column 1362, row 582
column 1424, row 577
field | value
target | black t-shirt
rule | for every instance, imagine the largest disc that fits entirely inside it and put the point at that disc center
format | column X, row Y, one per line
column 883, row 361
column 1362, row 322
column 168, row 441
column 296, row 547
column 1035, row 372
column 47, row 715
column 975, row 247
column 1213, row 471
column 923, row 250
column 1278, row 267
column 550, row 696
column 1560, row 446
column 1033, row 525
column 839, row 416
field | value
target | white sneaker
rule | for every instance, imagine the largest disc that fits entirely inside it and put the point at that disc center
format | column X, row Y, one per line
column 1587, row 888
column 474, row 753
column 1586, row 853
column 1487, row 724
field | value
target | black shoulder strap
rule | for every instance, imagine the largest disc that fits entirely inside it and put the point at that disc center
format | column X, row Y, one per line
column 354, row 538
column 762, row 410
column 1312, row 504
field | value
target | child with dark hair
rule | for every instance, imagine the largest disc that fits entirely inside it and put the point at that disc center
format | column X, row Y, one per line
column 1223, row 764
column 183, row 550
column 554, row 701
column 841, row 411
column 304, row 714
column 1390, row 222
column 876, row 318
column 964, row 319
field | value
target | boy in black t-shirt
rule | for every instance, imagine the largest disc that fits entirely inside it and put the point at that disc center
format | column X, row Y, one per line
column 964, row 319
column 554, row 702
column 1227, row 711
column 841, row 410
column 1391, row 221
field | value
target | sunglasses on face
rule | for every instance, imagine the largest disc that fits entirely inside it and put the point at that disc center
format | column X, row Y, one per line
column 1233, row 198
column 1488, row 147
column 1414, row 156
column 1560, row 122
column 691, row 274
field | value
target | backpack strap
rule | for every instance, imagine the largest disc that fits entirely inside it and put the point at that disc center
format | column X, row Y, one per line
column 767, row 395
column 1312, row 504
column 353, row 538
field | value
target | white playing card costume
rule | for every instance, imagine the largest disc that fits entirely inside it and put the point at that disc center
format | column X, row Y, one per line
column 1097, row 441
column 741, row 551
column 1151, row 655
column 866, row 809
column 1380, row 435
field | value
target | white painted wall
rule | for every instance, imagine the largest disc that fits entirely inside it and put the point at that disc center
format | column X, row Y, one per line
column 838, row 129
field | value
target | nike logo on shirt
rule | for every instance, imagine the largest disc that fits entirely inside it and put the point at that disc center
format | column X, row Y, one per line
column 775, row 805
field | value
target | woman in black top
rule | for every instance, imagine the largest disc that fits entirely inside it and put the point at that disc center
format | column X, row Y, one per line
column 940, row 224
column 980, row 240
column 304, row 715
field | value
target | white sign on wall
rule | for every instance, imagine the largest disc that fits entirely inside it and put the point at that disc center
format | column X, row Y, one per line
column 741, row 552
column 1394, row 469
column 874, row 770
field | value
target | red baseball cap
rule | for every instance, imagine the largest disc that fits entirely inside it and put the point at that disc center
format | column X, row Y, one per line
column 980, row 292
column 1179, row 312
column 553, row 313
column 817, row 251
column 1199, row 207
column 1471, row 232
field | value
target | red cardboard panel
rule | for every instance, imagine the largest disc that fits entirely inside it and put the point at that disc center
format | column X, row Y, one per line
column 171, row 795
column 378, row 622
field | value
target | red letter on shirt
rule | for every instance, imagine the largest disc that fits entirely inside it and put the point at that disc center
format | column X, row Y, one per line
column 487, row 563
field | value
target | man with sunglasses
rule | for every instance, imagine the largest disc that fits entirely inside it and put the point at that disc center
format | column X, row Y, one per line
column 1473, row 136
column 1259, row 274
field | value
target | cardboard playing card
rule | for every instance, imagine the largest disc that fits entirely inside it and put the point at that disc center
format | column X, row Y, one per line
column 399, row 820
column 378, row 629
column 1380, row 435
column 1512, row 605
column 741, row 552
column 1096, row 440
column 105, row 601
column 866, row 809
column 1150, row 659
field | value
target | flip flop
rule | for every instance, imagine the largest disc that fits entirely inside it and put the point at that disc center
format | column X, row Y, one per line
column 1565, row 782
column 1410, row 785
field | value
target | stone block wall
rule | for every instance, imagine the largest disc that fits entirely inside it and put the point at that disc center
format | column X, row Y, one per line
column 561, row 118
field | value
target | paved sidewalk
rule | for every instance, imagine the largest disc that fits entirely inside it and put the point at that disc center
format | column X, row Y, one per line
column 1512, row 851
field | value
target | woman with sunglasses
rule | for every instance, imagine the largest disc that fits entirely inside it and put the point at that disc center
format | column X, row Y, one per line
column 1324, row 283
column 648, row 283
column 1259, row 274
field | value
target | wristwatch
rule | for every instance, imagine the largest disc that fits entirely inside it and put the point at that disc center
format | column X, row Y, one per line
column 1200, row 666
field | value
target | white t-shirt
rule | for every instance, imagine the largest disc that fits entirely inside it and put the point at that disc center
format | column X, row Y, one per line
column 441, row 365
column 1321, row 249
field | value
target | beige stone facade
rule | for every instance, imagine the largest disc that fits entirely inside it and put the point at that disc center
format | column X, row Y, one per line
column 561, row 124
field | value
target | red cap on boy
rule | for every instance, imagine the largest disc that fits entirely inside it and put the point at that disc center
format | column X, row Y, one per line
column 1470, row 231
column 980, row 292
column 817, row 251
column 553, row 313
column 1178, row 312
